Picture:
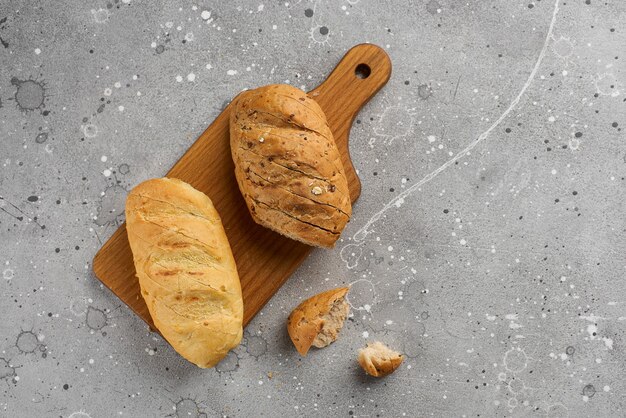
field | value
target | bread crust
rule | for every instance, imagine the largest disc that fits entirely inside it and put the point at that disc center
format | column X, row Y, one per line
column 378, row 360
column 186, row 269
column 287, row 165
column 306, row 321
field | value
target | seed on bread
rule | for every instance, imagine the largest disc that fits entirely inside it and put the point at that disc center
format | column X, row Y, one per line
column 317, row 190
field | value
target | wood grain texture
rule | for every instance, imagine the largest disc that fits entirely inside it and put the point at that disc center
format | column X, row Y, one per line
column 265, row 259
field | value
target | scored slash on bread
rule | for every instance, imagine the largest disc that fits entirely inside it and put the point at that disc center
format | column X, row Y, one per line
column 378, row 360
column 318, row 320
column 288, row 166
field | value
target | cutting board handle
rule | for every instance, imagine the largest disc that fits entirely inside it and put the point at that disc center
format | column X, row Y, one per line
column 363, row 71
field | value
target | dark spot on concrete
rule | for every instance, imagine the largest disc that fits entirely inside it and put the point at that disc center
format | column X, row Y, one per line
column 41, row 138
column 95, row 319
column 101, row 108
column 308, row 12
column 32, row 198
column 570, row 350
column 159, row 49
column 123, row 169
column 578, row 134
column 589, row 391
column 27, row 342
column 424, row 91
column 324, row 30
column 66, row 386
column 30, row 94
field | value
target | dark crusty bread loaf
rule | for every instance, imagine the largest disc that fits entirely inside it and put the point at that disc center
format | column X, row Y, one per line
column 288, row 166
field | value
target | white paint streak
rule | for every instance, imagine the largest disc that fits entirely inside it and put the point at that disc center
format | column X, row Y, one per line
column 362, row 233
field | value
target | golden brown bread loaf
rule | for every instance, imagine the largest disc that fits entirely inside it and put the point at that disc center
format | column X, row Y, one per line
column 318, row 320
column 288, row 166
column 186, row 269
column 378, row 360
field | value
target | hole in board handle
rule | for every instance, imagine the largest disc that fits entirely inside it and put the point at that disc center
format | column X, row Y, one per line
column 362, row 71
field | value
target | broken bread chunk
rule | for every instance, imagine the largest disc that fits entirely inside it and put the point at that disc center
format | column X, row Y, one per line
column 318, row 320
column 378, row 360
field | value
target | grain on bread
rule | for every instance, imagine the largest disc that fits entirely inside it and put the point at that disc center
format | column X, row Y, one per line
column 186, row 269
column 287, row 165
column 318, row 320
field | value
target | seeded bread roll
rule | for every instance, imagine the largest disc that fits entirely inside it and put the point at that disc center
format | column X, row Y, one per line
column 378, row 360
column 288, row 166
column 318, row 320
column 186, row 269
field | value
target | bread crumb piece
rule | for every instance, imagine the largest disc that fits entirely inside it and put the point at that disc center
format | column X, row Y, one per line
column 378, row 360
column 317, row 190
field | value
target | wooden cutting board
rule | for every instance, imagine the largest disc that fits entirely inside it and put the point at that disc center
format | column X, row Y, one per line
column 265, row 259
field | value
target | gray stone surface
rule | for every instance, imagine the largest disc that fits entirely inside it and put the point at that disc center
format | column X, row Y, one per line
column 488, row 244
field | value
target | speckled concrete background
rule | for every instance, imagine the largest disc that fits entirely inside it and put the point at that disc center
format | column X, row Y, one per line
column 488, row 244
